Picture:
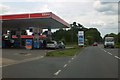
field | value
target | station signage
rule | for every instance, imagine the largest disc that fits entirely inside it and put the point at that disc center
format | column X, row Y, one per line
column 80, row 38
column 28, row 44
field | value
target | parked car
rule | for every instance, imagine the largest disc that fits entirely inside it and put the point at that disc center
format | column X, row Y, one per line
column 52, row 44
column 95, row 44
column 61, row 45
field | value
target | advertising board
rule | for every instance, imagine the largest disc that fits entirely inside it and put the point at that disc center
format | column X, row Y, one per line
column 80, row 38
column 28, row 44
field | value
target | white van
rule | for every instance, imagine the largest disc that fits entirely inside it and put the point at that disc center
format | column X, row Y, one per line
column 109, row 42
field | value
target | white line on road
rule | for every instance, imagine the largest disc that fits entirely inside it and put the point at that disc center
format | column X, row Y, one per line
column 65, row 65
column 117, row 57
column 105, row 50
column 72, row 58
column 109, row 53
column 57, row 72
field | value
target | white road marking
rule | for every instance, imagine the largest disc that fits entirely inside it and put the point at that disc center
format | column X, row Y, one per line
column 117, row 57
column 109, row 53
column 57, row 72
column 65, row 65
column 72, row 58
column 105, row 50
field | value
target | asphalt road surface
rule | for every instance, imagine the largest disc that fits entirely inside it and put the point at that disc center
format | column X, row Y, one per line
column 92, row 62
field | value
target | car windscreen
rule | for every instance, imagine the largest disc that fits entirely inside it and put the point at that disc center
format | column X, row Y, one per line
column 109, row 39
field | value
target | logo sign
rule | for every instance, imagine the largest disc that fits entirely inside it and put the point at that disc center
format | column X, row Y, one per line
column 45, row 14
column 28, row 43
column 80, row 38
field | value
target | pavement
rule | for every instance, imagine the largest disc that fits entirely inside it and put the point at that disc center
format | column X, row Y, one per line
column 14, row 56
column 91, row 62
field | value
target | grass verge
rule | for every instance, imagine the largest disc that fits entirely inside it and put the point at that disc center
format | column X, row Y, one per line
column 117, row 46
column 64, row 52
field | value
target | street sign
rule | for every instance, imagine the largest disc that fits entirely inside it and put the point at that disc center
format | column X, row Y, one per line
column 80, row 38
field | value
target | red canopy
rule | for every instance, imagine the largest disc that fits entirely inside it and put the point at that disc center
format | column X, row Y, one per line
column 42, row 20
column 29, row 36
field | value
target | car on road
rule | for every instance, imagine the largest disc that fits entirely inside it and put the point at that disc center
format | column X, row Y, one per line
column 52, row 45
column 95, row 44
column 61, row 45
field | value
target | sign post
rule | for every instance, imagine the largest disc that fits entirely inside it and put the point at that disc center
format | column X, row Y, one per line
column 80, row 38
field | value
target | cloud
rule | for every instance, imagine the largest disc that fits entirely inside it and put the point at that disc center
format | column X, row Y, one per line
column 98, row 23
column 106, row 8
column 4, row 9
column 59, row 0
column 90, row 14
column 43, row 8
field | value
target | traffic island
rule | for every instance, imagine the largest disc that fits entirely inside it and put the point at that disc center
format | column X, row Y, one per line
column 64, row 52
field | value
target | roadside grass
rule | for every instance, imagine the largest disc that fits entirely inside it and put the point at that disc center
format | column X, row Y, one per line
column 64, row 52
column 72, row 45
column 117, row 45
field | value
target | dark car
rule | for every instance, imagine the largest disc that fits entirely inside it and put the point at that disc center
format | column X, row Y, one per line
column 95, row 44
column 61, row 45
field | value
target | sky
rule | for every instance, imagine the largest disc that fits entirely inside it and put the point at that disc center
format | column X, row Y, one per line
column 100, row 14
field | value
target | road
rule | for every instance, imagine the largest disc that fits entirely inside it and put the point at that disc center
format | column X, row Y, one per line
column 92, row 62
column 14, row 56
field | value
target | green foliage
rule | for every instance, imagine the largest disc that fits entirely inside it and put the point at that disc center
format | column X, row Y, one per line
column 65, row 52
column 93, row 35
column 70, row 36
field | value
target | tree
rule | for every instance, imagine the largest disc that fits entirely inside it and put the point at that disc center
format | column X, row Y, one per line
column 70, row 36
column 93, row 35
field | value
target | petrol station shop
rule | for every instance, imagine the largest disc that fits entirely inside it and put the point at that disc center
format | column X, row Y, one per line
column 15, row 27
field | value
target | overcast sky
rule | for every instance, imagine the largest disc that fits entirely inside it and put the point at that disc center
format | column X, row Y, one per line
column 101, row 14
